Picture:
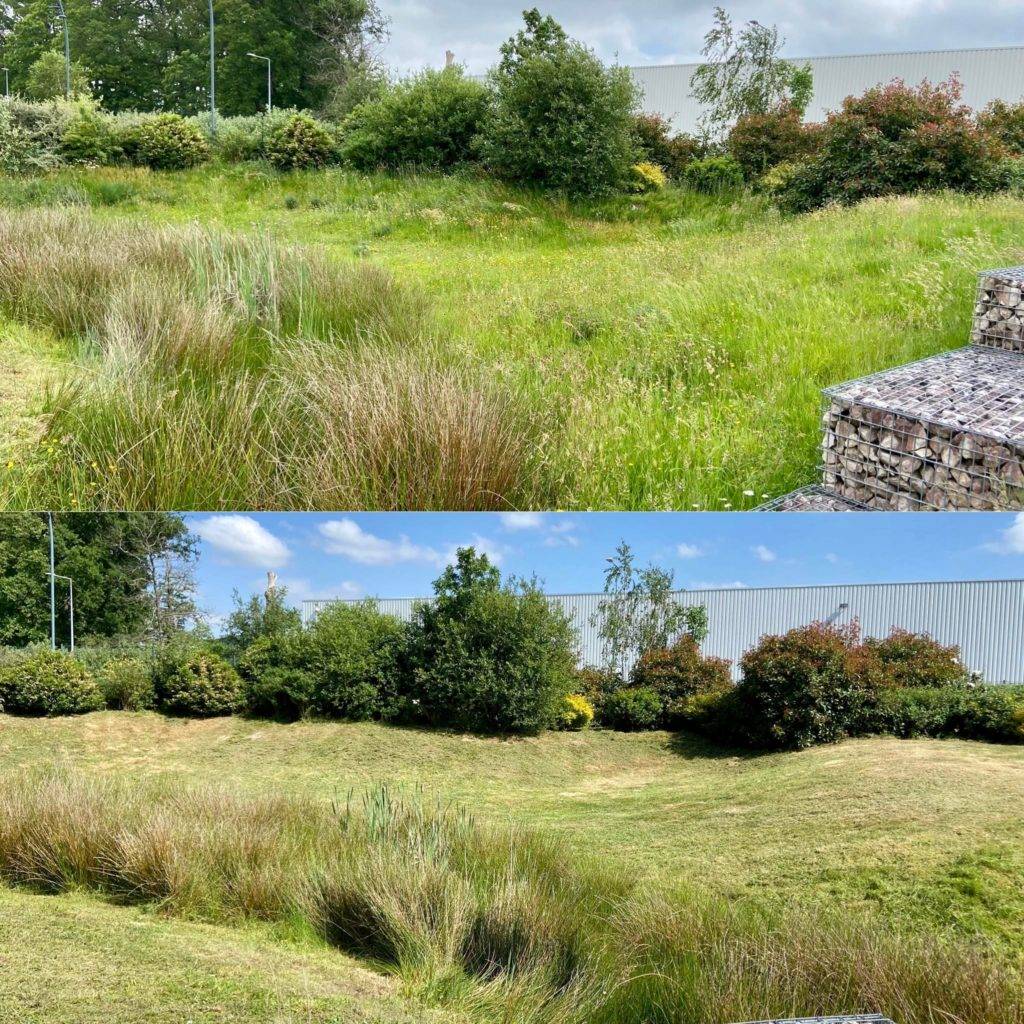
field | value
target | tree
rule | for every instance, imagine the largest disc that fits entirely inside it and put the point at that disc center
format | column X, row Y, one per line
column 743, row 74
column 47, row 78
column 258, row 616
column 638, row 612
column 107, row 556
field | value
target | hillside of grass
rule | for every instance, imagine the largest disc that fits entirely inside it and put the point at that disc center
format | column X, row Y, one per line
column 926, row 832
column 667, row 351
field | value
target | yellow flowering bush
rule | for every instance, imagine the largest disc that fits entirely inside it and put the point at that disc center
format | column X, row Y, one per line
column 647, row 177
column 577, row 713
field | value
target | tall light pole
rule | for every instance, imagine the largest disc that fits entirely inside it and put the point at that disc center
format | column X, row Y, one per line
column 270, row 83
column 53, row 600
column 7, row 82
column 58, row 6
column 71, row 602
column 213, row 73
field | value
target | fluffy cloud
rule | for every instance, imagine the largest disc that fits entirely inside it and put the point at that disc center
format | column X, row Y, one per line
column 1011, row 540
column 242, row 539
column 763, row 554
column 522, row 520
column 562, row 534
column 483, row 546
column 689, row 550
column 347, row 538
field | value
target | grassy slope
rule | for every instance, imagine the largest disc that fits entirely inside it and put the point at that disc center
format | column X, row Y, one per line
column 69, row 958
column 686, row 339
column 929, row 831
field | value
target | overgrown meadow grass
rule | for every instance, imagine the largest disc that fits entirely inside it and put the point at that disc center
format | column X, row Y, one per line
column 662, row 352
column 501, row 925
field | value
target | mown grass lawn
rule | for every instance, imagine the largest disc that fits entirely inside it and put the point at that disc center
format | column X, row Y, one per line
column 679, row 342
column 927, row 832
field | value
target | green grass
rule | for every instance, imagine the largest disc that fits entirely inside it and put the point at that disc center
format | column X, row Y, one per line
column 68, row 958
column 677, row 343
column 927, row 832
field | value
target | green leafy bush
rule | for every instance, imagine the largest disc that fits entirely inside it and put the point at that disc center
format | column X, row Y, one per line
column 355, row 655
column 596, row 684
column 201, row 686
column 632, row 709
column 430, row 121
column 89, row 139
column 1004, row 122
column 166, row 142
column 247, row 138
column 915, row 659
column 892, row 140
column 301, row 143
column 576, row 713
column 276, row 682
column 714, row 175
column 758, row 142
column 678, row 673
column 971, row 712
column 127, row 685
column 48, row 683
column 657, row 145
column 20, row 149
column 559, row 119
column 489, row 658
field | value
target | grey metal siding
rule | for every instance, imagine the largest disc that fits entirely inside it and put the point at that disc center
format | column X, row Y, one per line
column 985, row 618
column 986, row 74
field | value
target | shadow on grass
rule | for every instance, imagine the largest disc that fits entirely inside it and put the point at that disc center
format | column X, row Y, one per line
column 692, row 747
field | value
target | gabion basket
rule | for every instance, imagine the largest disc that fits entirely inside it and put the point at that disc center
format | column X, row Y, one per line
column 945, row 432
column 812, row 499
column 999, row 310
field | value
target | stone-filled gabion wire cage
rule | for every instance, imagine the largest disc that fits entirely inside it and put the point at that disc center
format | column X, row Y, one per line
column 945, row 432
column 999, row 310
column 813, row 499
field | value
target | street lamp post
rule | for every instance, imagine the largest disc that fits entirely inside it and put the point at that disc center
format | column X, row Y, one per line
column 63, row 15
column 270, row 83
column 7, row 82
column 53, row 600
column 71, row 603
column 213, row 73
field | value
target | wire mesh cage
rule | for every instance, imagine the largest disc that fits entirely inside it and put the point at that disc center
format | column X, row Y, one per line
column 945, row 432
column 812, row 499
column 999, row 310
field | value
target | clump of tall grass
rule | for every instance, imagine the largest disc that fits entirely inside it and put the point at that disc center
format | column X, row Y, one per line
column 222, row 370
column 503, row 923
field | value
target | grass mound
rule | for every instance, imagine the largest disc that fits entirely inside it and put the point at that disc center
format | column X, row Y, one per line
column 500, row 924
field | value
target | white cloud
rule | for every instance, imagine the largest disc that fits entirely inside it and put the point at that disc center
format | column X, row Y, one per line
column 763, row 554
column 482, row 545
column 300, row 589
column 347, row 538
column 243, row 539
column 522, row 520
column 562, row 534
column 689, row 550
column 1011, row 540
column 832, row 558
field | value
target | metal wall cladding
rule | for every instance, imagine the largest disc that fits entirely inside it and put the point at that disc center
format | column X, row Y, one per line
column 985, row 618
column 985, row 74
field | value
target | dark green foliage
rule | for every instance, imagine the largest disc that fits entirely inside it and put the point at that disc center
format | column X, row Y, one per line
column 127, row 685
column 892, row 140
column 48, row 683
column 355, row 656
column 247, row 138
column 596, row 684
column 489, row 658
column 1004, row 122
column 657, row 143
column 714, row 175
column 758, row 142
column 89, row 139
column 429, row 121
column 560, row 119
column 201, row 686
column 971, row 712
column 679, row 673
column 301, row 143
column 261, row 616
column 276, row 683
column 915, row 659
column 166, row 142
column 632, row 709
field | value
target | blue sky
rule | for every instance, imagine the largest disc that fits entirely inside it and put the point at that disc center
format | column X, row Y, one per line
column 399, row 554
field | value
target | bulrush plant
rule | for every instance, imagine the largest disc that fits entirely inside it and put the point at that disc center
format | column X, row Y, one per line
column 220, row 370
column 496, row 923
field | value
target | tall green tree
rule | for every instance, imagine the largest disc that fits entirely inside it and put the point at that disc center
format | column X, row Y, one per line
column 118, row 561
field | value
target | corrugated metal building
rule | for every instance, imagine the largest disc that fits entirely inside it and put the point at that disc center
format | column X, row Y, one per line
column 986, row 75
column 985, row 618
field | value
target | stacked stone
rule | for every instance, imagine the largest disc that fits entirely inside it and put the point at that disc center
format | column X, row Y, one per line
column 999, row 310
column 943, row 433
column 812, row 499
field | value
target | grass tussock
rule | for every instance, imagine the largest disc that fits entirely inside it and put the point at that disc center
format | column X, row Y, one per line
column 504, row 925
column 221, row 370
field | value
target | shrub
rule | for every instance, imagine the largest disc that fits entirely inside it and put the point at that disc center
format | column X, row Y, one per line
column 632, row 709
column 970, row 712
column 893, row 140
column 490, row 658
column 577, row 713
column 247, row 138
column 560, row 119
column 48, row 683
column 808, row 686
column 89, row 139
column 166, row 142
column 300, row 143
column 1004, row 122
column 355, row 656
column 678, row 673
column 276, row 683
column 714, row 175
column 647, row 177
column 915, row 659
column 430, row 120
column 20, row 150
column 657, row 145
column 127, row 685
column 758, row 142
column 596, row 684
column 202, row 686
